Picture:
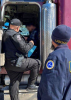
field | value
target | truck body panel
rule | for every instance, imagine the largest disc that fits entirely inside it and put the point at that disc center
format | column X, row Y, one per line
column 62, row 13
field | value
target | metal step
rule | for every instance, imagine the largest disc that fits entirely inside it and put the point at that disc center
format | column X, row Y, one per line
column 23, row 93
column 22, row 89
column 24, row 79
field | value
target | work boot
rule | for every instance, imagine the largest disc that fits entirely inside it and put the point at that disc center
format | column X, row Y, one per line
column 32, row 87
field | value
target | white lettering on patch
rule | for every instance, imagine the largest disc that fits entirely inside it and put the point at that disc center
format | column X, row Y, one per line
column 18, row 37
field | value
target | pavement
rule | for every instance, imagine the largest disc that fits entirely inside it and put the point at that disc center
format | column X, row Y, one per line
column 23, row 94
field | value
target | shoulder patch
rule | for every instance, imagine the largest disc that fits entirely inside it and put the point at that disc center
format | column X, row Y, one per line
column 18, row 37
column 50, row 64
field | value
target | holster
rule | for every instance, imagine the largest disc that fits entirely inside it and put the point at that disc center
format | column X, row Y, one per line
column 19, row 61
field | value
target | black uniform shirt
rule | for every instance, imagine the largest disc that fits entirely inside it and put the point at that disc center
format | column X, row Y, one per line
column 14, row 43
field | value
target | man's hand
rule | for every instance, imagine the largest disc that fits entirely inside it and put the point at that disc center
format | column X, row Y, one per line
column 32, row 42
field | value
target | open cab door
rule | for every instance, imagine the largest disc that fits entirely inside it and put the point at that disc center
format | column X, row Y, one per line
column 2, row 55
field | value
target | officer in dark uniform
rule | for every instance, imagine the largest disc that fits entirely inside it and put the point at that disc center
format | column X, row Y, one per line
column 56, row 78
column 16, row 60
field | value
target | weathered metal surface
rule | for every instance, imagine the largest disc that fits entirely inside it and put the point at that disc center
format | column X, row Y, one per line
column 23, row 96
column 1, row 32
column 23, row 80
column 64, row 14
column 1, row 95
column 2, row 59
column 3, row 71
column 1, row 62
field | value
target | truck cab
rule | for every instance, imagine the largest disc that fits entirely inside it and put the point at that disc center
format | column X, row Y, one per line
column 46, row 14
column 27, row 12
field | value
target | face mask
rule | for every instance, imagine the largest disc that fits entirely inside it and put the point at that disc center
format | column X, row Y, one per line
column 52, row 47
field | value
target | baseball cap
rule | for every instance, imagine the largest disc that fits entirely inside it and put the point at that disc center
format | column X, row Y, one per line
column 15, row 22
column 61, row 34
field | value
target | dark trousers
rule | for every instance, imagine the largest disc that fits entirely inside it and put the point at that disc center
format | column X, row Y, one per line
column 15, row 74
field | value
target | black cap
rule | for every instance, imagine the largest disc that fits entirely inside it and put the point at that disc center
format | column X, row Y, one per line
column 16, row 22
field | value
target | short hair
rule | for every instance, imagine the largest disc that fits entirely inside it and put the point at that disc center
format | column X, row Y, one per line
column 29, row 24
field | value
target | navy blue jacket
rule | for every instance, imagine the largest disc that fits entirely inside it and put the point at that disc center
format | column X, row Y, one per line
column 56, row 78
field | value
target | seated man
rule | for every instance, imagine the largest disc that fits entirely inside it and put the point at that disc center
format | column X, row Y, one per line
column 30, row 33
column 24, row 32
column 34, row 35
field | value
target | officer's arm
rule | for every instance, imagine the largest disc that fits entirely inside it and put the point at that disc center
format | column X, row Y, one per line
column 54, row 80
column 20, row 44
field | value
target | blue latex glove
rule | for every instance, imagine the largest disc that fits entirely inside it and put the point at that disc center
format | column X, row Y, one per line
column 31, row 51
